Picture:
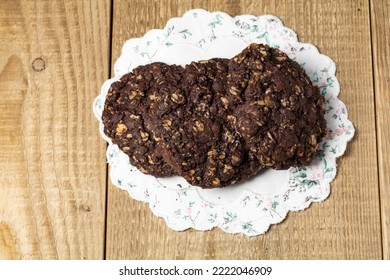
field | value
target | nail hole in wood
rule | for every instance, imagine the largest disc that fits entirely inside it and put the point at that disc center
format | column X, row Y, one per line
column 38, row 64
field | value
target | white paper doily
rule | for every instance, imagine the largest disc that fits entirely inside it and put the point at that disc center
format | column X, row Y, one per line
column 250, row 207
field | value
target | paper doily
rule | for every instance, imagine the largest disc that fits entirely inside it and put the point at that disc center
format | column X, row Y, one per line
column 250, row 207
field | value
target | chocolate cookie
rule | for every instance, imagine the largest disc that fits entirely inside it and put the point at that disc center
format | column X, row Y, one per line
column 217, row 122
column 126, row 119
column 277, row 110
column 197, row 139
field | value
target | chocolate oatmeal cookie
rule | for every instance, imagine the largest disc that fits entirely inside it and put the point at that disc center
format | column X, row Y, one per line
column 278, row 111
column 197, row 140
column 126, row 119
column 217, row 122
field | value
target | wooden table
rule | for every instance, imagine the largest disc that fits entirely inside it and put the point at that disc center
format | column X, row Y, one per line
column 56, row 201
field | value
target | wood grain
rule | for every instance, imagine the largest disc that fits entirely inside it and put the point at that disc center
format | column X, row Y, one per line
column 347, row 224
column 53, row 57
column 380, row 28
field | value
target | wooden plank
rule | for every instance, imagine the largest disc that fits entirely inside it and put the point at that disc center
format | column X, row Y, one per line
column 380, row 28
column 347, row 224
column 54, row 55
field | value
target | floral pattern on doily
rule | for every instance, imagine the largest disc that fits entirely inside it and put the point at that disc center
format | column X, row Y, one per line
column 180, row 204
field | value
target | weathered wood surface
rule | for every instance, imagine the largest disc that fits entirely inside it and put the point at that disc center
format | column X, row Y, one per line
column 54, row 55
